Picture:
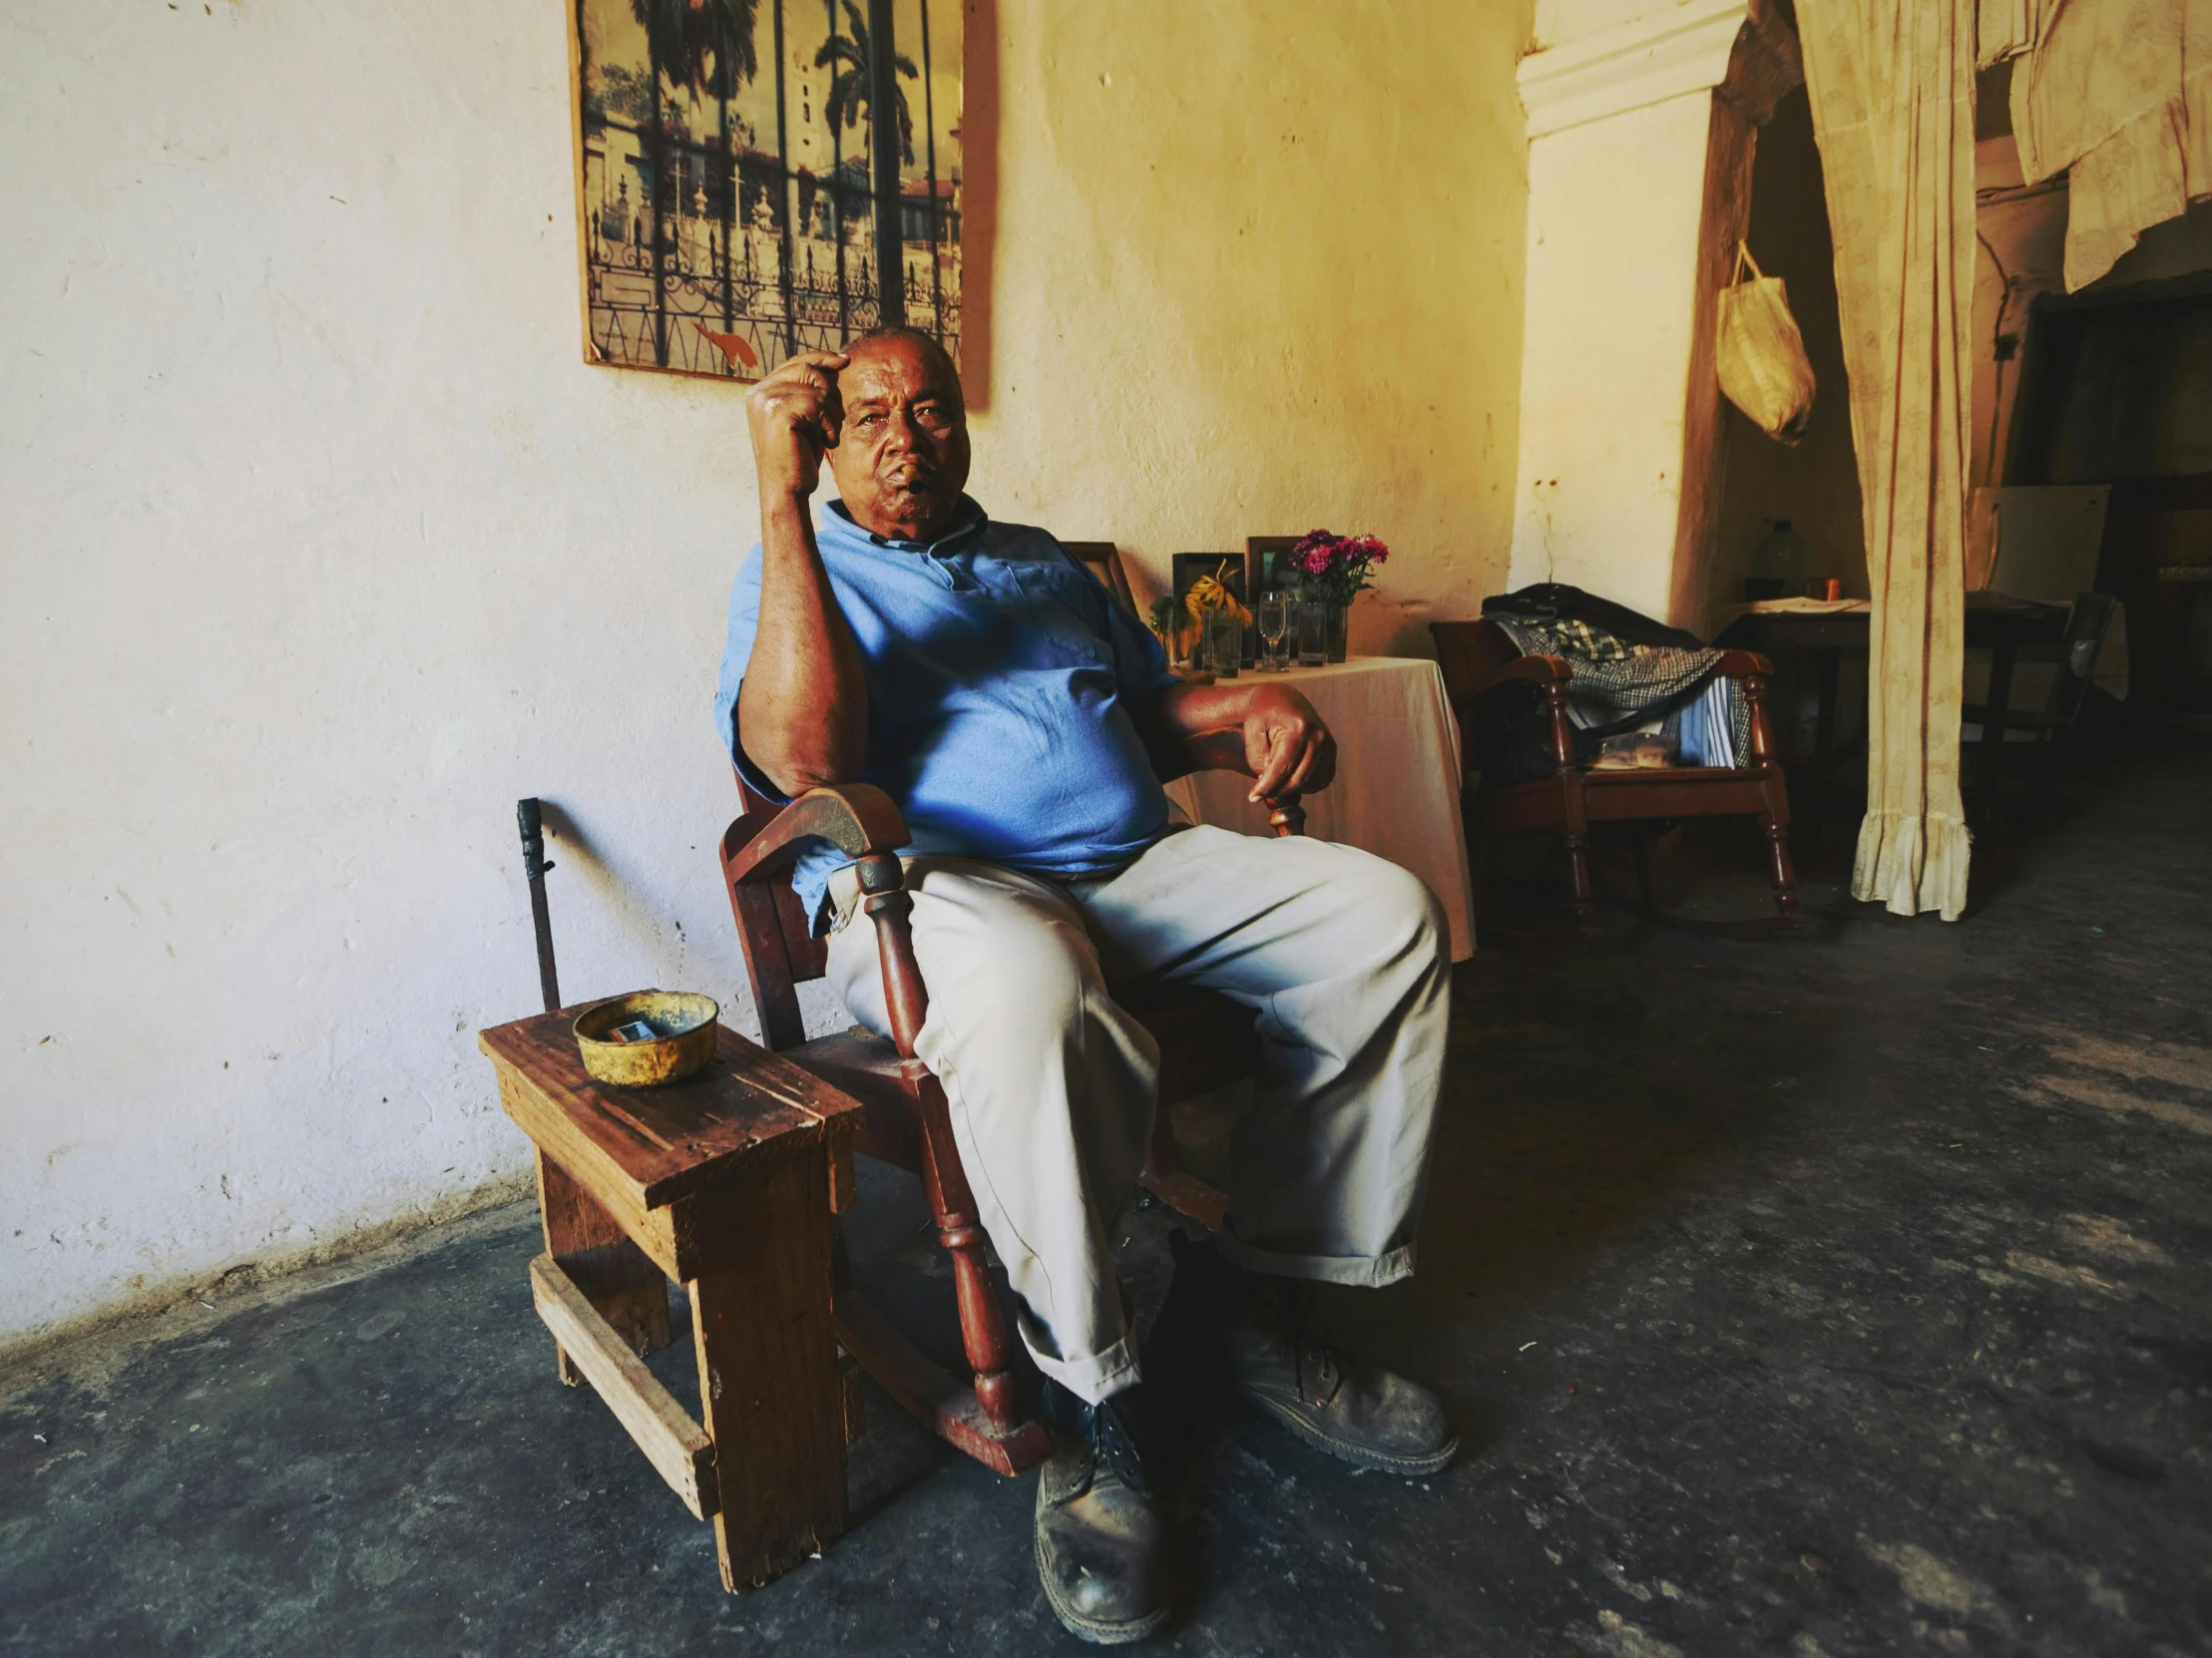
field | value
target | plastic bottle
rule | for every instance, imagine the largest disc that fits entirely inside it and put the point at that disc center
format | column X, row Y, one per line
column 1777, row 563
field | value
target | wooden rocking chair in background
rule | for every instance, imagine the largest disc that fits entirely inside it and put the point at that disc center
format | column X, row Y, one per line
column 1103, row 560
column 1207, row 1041
column 1480, row 660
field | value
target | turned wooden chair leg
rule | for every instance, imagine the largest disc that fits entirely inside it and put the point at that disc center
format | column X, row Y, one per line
column 1575, row 821
column 1784, row 872
column 983, row 1325
column 1774, row 822
column 983, row 1331
column 1581, row 900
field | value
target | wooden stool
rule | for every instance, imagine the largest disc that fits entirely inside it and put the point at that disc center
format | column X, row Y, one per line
column 725, row 1184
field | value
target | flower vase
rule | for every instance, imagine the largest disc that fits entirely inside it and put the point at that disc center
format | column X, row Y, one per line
column 1329, row 616
column 1187, row 650
column 1339, row 630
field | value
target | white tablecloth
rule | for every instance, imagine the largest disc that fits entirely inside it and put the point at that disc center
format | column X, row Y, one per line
column 1397, row 788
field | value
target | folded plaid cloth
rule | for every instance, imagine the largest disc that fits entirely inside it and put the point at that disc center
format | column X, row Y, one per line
column 1619, row 686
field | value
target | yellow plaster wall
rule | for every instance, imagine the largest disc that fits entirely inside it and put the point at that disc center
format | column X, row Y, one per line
column 1260, row 268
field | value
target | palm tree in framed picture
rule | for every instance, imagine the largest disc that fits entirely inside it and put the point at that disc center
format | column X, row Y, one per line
column 704, row 48
column 851, row 101
column 851, row 98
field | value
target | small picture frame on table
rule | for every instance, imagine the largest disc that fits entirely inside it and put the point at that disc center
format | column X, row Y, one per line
column 1267, row 565
column 1185, row 569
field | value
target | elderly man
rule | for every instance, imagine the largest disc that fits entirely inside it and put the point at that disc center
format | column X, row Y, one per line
column 988, row 684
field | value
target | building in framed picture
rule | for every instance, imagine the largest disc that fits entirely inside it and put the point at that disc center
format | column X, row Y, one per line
column 740, row 199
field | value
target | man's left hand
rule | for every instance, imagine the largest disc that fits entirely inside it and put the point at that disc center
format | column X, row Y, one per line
column 1286, row 743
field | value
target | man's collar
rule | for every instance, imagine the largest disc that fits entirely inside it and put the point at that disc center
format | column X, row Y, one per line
column 967, row 520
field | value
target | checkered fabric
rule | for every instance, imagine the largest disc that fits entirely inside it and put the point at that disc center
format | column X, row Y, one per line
column 1618, row 686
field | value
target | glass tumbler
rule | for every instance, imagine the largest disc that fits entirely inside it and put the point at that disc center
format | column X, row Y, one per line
column 1224, row 644
column 1313, row 633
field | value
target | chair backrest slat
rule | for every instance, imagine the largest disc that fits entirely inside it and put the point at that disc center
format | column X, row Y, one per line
column 782, row 952
column 1467, row 651
column 808, row 956
column 1103, row 560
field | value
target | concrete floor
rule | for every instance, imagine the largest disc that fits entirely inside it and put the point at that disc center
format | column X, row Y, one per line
column 1839, row 1295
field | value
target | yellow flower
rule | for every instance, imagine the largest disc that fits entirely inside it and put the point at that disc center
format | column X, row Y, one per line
column 1208, row 594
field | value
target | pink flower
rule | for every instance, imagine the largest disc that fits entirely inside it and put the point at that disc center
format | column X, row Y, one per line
column 1339, row 564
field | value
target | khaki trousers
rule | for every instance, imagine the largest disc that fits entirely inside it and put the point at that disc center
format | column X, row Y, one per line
column 1053, row 1087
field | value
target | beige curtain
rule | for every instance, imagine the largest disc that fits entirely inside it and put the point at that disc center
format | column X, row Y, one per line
column 2117, row 94
column 2004, row 28
column 1892, row 89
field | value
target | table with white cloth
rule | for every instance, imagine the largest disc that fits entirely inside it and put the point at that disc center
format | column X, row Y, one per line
column 1397, row 788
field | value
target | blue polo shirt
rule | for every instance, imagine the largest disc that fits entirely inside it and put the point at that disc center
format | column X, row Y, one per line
column 1001, row 680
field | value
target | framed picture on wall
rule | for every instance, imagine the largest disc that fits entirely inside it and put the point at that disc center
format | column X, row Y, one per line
column 728, row 208
column 1185, row 569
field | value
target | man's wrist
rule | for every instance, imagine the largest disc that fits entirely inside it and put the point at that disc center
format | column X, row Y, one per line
column 786, row 520
column 1188, row 709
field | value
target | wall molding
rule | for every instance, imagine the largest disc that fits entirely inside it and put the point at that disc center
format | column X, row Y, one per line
column 1679, row 48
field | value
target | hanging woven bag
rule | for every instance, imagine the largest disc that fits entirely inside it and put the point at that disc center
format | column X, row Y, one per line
column 1760, row 355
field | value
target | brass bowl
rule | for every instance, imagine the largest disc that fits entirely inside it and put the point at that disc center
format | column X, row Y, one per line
column 684, row 1034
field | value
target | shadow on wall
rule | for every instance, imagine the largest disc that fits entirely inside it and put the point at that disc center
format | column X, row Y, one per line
column 979, row 196
column 610, row 890
column 1816, row 483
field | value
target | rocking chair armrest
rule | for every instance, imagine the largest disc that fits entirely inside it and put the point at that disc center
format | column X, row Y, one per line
column 1743, row 664
column 858, row 819
column 1539, row 670
column 1222, row 750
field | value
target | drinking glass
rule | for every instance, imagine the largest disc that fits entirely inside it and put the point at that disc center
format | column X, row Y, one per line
column 1313, row 633
column 1273, row 616
column 1224, row 644
column 1186, row 642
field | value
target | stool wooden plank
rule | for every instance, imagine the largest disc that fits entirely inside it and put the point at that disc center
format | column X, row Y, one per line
column 663, row 1143
column 728, row 1184
column 769, row 1386
column 663, row 1429
column 618, row 1279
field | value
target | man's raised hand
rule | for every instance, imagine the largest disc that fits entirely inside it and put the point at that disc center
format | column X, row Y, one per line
column 795, row 415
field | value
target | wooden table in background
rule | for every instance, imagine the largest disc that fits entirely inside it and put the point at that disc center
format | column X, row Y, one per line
column 725, row 1184
column 2001, row 626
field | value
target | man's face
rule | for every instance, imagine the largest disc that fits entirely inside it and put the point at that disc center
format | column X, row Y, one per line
column 901, row 459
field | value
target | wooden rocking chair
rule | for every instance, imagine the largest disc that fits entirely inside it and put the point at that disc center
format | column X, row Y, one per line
column 1480, row 660
column 1207, row 1041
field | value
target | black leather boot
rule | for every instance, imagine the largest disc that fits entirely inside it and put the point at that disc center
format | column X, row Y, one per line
column 1243, row 1328
column 1099, row 1540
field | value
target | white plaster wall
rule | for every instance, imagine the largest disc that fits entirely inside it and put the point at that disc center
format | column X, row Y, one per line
column 1561, row 21
column 325, row 548
column 323, row 545
column 1614, row 210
